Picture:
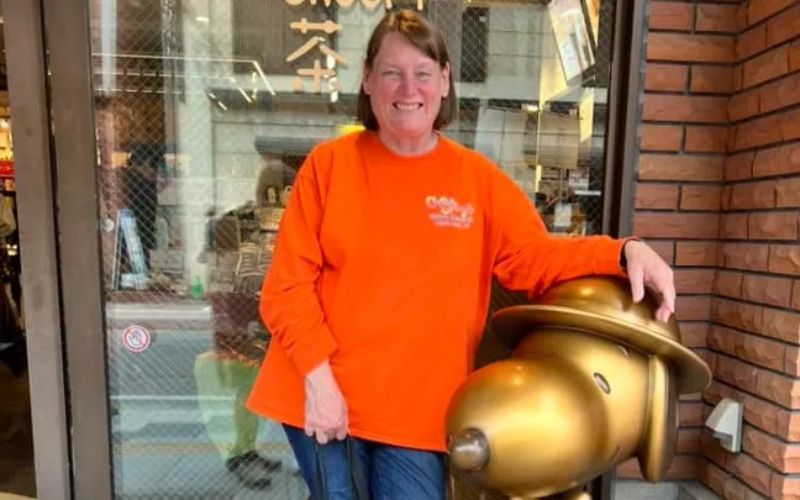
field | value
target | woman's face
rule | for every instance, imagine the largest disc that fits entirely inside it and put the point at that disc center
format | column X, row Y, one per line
column 406, row 88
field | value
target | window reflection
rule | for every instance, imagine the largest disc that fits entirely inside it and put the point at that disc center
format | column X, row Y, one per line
column 205, row 111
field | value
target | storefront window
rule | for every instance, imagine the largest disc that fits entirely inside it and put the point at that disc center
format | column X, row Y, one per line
column 204, row 112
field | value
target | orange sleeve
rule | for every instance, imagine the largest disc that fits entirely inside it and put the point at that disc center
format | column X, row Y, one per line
column 289, row 304
column 528, row 258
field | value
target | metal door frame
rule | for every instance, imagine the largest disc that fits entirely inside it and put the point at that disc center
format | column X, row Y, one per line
column 47, row 45
column 50, row 86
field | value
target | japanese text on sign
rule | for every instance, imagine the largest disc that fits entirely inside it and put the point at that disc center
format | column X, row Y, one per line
column 318, row 43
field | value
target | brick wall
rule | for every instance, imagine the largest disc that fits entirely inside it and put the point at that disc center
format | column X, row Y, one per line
column 718, row 195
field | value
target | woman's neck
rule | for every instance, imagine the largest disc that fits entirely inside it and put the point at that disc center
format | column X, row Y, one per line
column 411, row 147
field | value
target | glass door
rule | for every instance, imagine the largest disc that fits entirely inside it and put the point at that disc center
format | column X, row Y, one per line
column 202, row 112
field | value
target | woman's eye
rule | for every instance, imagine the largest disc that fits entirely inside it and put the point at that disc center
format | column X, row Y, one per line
column 423, row 75
column 391, row 73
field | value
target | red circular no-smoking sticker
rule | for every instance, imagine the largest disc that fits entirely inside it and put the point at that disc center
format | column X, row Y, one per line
column 136, row 338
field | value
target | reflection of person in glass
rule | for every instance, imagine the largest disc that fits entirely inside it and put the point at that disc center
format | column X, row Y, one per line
column 239, row 341
column 141, row 191
column 379, row 286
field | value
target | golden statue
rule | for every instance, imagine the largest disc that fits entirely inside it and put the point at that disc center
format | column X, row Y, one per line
column 593, row 380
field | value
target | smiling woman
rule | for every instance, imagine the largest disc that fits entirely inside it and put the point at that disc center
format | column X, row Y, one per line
column 378, row 290
column 458, row 116
column 407, row 92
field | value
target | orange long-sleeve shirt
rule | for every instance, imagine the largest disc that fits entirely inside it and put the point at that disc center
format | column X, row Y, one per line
column 383, row 265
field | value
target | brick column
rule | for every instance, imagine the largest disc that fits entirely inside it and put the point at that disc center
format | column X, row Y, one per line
column 718, row 194
column 688, row 81
column 755, row 328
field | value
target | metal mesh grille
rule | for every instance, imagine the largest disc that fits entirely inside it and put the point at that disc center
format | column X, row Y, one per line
column 201, row 126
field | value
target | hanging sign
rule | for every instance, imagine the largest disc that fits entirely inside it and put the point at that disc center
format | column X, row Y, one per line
column 136, row 338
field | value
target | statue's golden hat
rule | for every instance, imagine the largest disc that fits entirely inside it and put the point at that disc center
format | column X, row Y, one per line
column 604, row 306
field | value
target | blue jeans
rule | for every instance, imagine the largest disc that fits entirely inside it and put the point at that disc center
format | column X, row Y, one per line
column 357, row 469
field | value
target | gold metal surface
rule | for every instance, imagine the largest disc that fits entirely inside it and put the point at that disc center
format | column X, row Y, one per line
column 593, row 380
column 603, row 306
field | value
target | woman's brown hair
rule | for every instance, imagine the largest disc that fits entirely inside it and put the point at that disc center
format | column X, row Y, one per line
column 425, row 37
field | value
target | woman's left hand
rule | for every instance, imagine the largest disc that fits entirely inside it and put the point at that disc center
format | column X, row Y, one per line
column 646, row 268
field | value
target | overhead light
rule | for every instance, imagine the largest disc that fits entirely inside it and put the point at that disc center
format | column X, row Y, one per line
column 202, row 19
column 530, row 108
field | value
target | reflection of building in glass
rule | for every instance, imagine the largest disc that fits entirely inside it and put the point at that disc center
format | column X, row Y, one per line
column 220, row 80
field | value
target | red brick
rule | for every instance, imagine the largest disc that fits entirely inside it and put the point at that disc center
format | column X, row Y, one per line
column 755, row 474
column 737, row 77
column 762, row 446
column 664, row 248
column 706, row 139
column 692, row 308
column 719, row 18
column 780, row 324
column 650, row 196
column 736, row 373
column 708, row 79
column 661, row 137
column 739, row 166
column 693, row 333
column 725, row 198
column 753, row 195
column 699, row 197
column 744, row 105
column 697, row 253
column 737, row 314
column 789, row 425
column 778, row 388
column 794, row 56
column 791, row 362
column 728, row 284
column 666, row 77
column 784, row 259
column 714, row 477
column 678, row 108
column 690, row 48
column 680, row 168
column 679, row 225
column 759, row 132
column 758, row 10
column 749, row 256
column 778, row 454
column 790, row 125
column 670, row 16
column 751, row 42
column 688, row 441
column 629, row 469
column 760, row 351
column 785, row 487
column 787, row 193
column 723, row 339
column 733, row 226
column 693, row 280
column 773, row 291
column 780, row 94
column 690, row 414
column 773, row 226
column 783, row 27
column 767, row 66
column 796, row 295
column 777, row 161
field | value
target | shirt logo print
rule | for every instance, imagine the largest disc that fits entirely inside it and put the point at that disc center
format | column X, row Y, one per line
column 445, row 211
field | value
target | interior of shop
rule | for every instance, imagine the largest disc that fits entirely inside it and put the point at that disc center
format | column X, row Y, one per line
column 17, row 477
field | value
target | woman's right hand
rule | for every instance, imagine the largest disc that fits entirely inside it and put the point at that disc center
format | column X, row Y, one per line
column 326, row 410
